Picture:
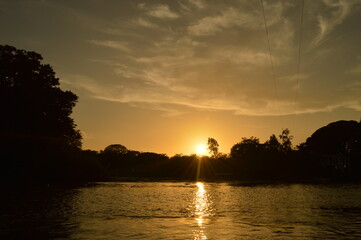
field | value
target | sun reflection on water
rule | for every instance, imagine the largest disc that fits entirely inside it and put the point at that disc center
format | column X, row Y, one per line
column 201, row 210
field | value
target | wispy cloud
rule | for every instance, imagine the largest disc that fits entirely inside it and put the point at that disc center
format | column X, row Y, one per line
column 122, row 46
column 227, row 19
column 241, row 16
column 161, row 11
column 340, row 10
column 85, row 83
column 198, row 3
column 171, row 102
column 145, row 23
column 212, row 60
column 167, row 110
column 241, row 56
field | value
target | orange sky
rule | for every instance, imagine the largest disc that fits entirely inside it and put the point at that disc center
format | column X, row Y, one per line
column 163, row 76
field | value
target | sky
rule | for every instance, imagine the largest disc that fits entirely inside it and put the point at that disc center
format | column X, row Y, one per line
column 163, row 76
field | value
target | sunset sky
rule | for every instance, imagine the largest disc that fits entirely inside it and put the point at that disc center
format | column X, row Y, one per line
column 163, row 76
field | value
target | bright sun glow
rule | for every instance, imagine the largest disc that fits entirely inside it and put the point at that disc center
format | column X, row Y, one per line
column 201, row 149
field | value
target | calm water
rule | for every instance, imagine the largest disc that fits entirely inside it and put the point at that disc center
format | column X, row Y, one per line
column 183, row 211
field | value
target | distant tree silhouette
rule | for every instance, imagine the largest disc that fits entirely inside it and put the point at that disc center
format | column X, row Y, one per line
column 213, row 147
column 337, row 148
column 286, row 140
column 33, row 106
column 116, row 149
column 273, row 144
column 341, row 137
column 245, row 148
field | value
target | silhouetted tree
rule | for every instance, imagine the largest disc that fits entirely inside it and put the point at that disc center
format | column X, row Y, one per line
column 37, row 134
column 337, row 148
column 341, row 137
column 116, row 149
column 34, row 108
column 246, row 147
column 249, row 158
column 302, row 146
column 273, row 144
column 286, row 140
column 213, row 147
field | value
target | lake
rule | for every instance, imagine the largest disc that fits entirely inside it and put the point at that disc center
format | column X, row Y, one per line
column 182, row 210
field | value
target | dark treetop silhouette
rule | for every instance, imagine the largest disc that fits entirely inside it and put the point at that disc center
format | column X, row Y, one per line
column 35, row 124
column 33, row 106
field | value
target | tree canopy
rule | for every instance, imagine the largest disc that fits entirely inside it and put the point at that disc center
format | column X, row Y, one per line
column 213, row 147
column 286, row 140
column 34, row 108
column 116, row 149
column 246, row 147
column 341, row 137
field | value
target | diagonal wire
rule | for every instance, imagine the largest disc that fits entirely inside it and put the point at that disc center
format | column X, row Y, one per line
column 298, row 65
column 299, row 56
column 270, row 52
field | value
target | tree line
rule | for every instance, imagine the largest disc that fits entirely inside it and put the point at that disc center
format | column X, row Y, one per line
column 39, row 142
column 333, row 152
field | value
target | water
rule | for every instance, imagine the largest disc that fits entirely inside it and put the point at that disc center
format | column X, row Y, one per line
column 182, row 210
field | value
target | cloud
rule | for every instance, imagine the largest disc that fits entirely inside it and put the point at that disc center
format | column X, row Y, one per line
column 198, row 3
column 168, row 110
column 145, row 23
column 122, row 46
column 166, row 94
column 341, row 9
column 244, row 16
column 184, row 8
column 214, row 60
column 85, row 83
column 161, row 11
column 241, row 56
column 173, row 103
column 227, row 19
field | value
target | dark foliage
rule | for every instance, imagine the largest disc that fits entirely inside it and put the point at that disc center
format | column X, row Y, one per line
column 342, row 137
column 273, row 160
column 213, row 147
column 38, row 138
column 34, row 109
column 335, row 150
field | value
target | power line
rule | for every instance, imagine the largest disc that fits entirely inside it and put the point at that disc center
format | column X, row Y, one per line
column 269, row 51
column 299, row 55
column 299, row 58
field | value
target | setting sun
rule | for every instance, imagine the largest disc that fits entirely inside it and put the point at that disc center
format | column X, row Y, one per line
column 201, row 149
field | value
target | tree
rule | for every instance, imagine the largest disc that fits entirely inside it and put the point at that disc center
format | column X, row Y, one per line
column 337, row 138
column 246, row 147
column 116, row 149
column 337, row 148
column 273, row 144
column 35, row 111
column 213, row 147
column 286, row 140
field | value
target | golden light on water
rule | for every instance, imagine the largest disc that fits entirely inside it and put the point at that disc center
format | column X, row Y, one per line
column 201, row 203
column 202, row 210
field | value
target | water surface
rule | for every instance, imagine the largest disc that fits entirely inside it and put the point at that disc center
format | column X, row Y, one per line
column 182, row 210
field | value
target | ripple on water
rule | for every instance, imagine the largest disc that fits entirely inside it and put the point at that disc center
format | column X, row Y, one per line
column 183, row 211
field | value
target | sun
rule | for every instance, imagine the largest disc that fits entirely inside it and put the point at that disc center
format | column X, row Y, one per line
column 201, row 149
